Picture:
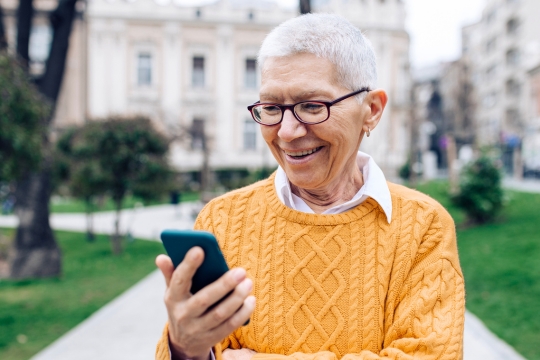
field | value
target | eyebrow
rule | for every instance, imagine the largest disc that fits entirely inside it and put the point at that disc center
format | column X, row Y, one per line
column 304, row 95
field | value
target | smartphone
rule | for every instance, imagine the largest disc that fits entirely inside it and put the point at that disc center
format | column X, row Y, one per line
column 178, row 242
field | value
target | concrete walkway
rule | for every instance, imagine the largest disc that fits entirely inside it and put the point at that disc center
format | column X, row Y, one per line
column 525, row 185
column 129, row 326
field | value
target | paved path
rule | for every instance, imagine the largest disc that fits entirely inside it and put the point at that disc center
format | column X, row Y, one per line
column 129, row 326
column 526, row 185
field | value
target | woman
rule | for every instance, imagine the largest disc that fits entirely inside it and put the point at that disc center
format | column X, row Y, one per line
column 342, row 264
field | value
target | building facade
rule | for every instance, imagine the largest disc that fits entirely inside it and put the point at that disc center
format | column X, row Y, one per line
column 531, row 143
column 193, row 71
column 499, row 51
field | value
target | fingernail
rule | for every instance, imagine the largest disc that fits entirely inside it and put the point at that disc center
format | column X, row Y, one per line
column 194, row 255
column 239, row 274
column 250, row 301
column 248, row 284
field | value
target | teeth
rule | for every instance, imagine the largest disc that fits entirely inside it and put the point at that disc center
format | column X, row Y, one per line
column 302, row 153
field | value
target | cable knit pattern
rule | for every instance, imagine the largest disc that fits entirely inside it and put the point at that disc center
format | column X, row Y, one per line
column 345, row 286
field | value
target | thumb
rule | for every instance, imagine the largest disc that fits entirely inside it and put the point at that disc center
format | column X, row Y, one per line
column 164, row 263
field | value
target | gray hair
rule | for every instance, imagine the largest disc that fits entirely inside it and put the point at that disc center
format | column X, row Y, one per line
column 328, row 36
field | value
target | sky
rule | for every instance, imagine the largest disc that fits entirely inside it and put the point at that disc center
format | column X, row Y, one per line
column 434, row 26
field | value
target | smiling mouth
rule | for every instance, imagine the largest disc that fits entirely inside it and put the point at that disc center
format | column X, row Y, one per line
column 302, row 154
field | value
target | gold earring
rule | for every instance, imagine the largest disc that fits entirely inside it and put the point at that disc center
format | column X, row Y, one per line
column 368, row 132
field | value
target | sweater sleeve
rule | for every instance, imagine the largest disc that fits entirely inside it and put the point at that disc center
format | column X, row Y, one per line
column 425, row 320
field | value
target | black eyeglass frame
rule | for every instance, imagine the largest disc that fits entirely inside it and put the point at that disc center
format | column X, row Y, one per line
column 291, row 107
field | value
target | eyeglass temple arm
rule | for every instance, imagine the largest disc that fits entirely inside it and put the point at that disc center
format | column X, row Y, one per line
column 351, row 94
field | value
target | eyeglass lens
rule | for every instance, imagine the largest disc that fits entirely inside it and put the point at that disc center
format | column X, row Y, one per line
column 308, row 112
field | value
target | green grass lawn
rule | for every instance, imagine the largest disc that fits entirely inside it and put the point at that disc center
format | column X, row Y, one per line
column 35, row 313
column 501, row 264
column 70, row 205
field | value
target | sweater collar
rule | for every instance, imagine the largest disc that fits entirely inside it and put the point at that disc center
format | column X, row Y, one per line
column 374, row 187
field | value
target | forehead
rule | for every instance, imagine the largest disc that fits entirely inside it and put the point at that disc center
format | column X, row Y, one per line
column 300, row 72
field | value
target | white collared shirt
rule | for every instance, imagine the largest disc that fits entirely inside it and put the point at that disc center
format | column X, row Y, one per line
column 375, row 187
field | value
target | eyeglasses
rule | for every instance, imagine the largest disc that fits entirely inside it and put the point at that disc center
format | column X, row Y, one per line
column 307, row 112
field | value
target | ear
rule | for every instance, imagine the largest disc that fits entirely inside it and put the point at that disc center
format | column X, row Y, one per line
column 376, row 100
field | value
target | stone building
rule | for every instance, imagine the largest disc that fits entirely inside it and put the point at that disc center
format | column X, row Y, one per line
column 531, row 143
column 193, row 70
column 499, row 50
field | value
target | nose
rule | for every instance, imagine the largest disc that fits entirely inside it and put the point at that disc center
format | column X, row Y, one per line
column 290, row 128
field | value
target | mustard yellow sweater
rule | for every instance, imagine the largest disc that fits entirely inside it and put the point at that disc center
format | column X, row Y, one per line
column 345, row 286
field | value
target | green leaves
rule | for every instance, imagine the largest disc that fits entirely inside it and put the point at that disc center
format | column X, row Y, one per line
column 480, row 190
column 114, row 156
column 23, row 112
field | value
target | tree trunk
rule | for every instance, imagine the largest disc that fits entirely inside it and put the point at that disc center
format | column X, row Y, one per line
column 62, row 22
column 3, row 39
column 305, row 6
column 34, row 252
column 453, row 171
column 89, row 221
column 25, row 14
column 116, row 240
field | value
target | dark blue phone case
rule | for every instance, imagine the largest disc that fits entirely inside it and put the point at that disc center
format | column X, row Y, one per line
column 178, row 242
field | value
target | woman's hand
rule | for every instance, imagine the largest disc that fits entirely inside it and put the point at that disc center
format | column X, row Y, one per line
column 193, row 328
column 242, row 354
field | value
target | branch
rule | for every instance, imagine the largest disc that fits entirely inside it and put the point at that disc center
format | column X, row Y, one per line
column 3, row 40
column 61, row 21
column 25, row 13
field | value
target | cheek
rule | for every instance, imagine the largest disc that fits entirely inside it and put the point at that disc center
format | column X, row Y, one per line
column 268, row 134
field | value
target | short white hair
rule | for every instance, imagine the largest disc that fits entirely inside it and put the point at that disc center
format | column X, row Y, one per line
column 327, row 36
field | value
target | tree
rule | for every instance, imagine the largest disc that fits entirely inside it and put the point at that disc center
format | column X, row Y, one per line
column 80, row 172
column 22, row 115
column 116, row 156
column 34, row 252
column 480, row 189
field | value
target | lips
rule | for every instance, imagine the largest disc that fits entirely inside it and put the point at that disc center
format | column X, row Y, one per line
column 302, row 153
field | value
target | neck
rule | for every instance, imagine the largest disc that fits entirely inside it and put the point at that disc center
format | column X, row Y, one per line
column 336, row 193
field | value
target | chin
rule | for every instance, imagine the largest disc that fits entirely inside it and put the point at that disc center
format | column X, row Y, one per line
column 304, row 181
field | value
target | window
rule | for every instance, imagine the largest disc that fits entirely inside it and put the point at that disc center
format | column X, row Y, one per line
column 512, row 26
column 250, row 135
column 198, row 136
column 197, row 78
column 513, row 117
column 144, row 69
column 513, row 88
column 512, row 57
column 251, row 74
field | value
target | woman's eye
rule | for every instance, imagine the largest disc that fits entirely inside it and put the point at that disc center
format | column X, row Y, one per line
column 270, row 108
column 312, row 107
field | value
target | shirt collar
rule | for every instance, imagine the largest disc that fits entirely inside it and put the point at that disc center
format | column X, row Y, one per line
column 375, row 187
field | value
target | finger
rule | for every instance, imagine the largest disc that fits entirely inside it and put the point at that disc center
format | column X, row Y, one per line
column 226, row 308
column 181, row 279
column 216, row 291
column 238, row 319
column 164, row 263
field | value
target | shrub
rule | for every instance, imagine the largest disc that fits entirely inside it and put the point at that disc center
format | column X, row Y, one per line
column 480, row 189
